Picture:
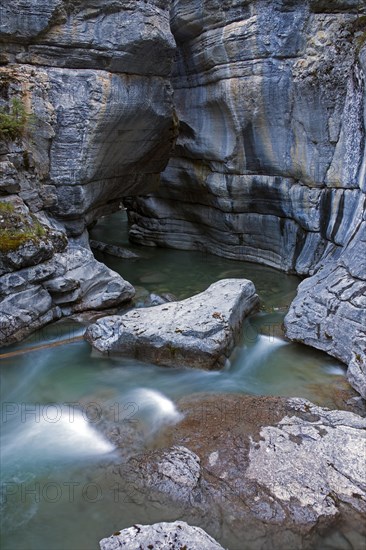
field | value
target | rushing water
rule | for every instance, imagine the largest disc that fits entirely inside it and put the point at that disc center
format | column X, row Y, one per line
column 55, row 494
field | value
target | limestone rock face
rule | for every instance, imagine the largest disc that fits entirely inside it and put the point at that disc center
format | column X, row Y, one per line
column 99, row 124
column 329, row 312
column 357, row 367
column 122, row 37
column 162, row 535
column 270, row 100
column 270, row 163
column 197, row 332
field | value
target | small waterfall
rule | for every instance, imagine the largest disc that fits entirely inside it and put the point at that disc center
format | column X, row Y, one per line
column 250, row 358
column 155, row 410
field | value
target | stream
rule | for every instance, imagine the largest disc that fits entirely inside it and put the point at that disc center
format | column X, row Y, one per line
column 55, row 494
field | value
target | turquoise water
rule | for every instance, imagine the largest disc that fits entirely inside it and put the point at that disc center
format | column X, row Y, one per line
column 57, row 493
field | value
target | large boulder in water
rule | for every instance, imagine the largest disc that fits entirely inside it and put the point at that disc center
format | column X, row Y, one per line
column 200, row 331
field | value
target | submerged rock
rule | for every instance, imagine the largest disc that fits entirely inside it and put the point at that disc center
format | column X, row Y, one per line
column 257, row 471
column 113, row 250
column 177, row 535
column 200, row 331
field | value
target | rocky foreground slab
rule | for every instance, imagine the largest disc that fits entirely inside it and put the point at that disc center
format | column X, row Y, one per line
column 258, row 472
column 200, row 331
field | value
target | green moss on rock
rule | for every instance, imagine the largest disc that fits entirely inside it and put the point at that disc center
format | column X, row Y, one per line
column 17, row 229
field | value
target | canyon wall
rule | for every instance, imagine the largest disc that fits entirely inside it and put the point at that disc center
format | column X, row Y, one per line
column 90, row 81
column 270, row 163
column 269, row 166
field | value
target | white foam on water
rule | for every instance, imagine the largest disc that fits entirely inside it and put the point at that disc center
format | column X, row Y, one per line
column 336, row 370
column 66, row 436
column 154, row 408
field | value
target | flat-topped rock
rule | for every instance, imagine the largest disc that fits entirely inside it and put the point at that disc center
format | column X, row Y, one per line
column 161, row 535
column 200, row 331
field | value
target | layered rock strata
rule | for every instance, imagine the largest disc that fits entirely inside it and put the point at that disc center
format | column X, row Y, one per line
column 87, row 118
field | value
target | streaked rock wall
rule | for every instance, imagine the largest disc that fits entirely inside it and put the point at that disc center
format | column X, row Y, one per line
column 267, row 164
column 270, row 164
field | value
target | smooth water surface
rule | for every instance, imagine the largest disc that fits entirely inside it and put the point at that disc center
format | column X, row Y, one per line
column 55, row 491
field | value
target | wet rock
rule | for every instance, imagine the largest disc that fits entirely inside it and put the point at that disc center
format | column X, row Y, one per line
column 253, row 176
column 270, row 163
column 257, row 470
column 177, row 535
column 113, row 250
column 159, row 299
column 198, row 332
column 329, row 311
column 173, row 474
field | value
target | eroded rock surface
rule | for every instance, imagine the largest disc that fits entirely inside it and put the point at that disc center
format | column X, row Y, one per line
column 258, row 471
column 70, row 282
column 174, row 536
column 92, row 82
column 197, row 332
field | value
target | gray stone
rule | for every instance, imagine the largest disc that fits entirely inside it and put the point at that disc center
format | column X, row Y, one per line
column 173, row 472
column 95, row 79
column 163, row 535
column 198, row 332
column 24, row 312
column 254, row 176
column 270, row 163
column 329, row 312
column 8, row 178
column 100, row 286
column 99, row 35
column 318, row 462
column 113, row 250
column 73, row 280
column 26, row 19
column 356, row 372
